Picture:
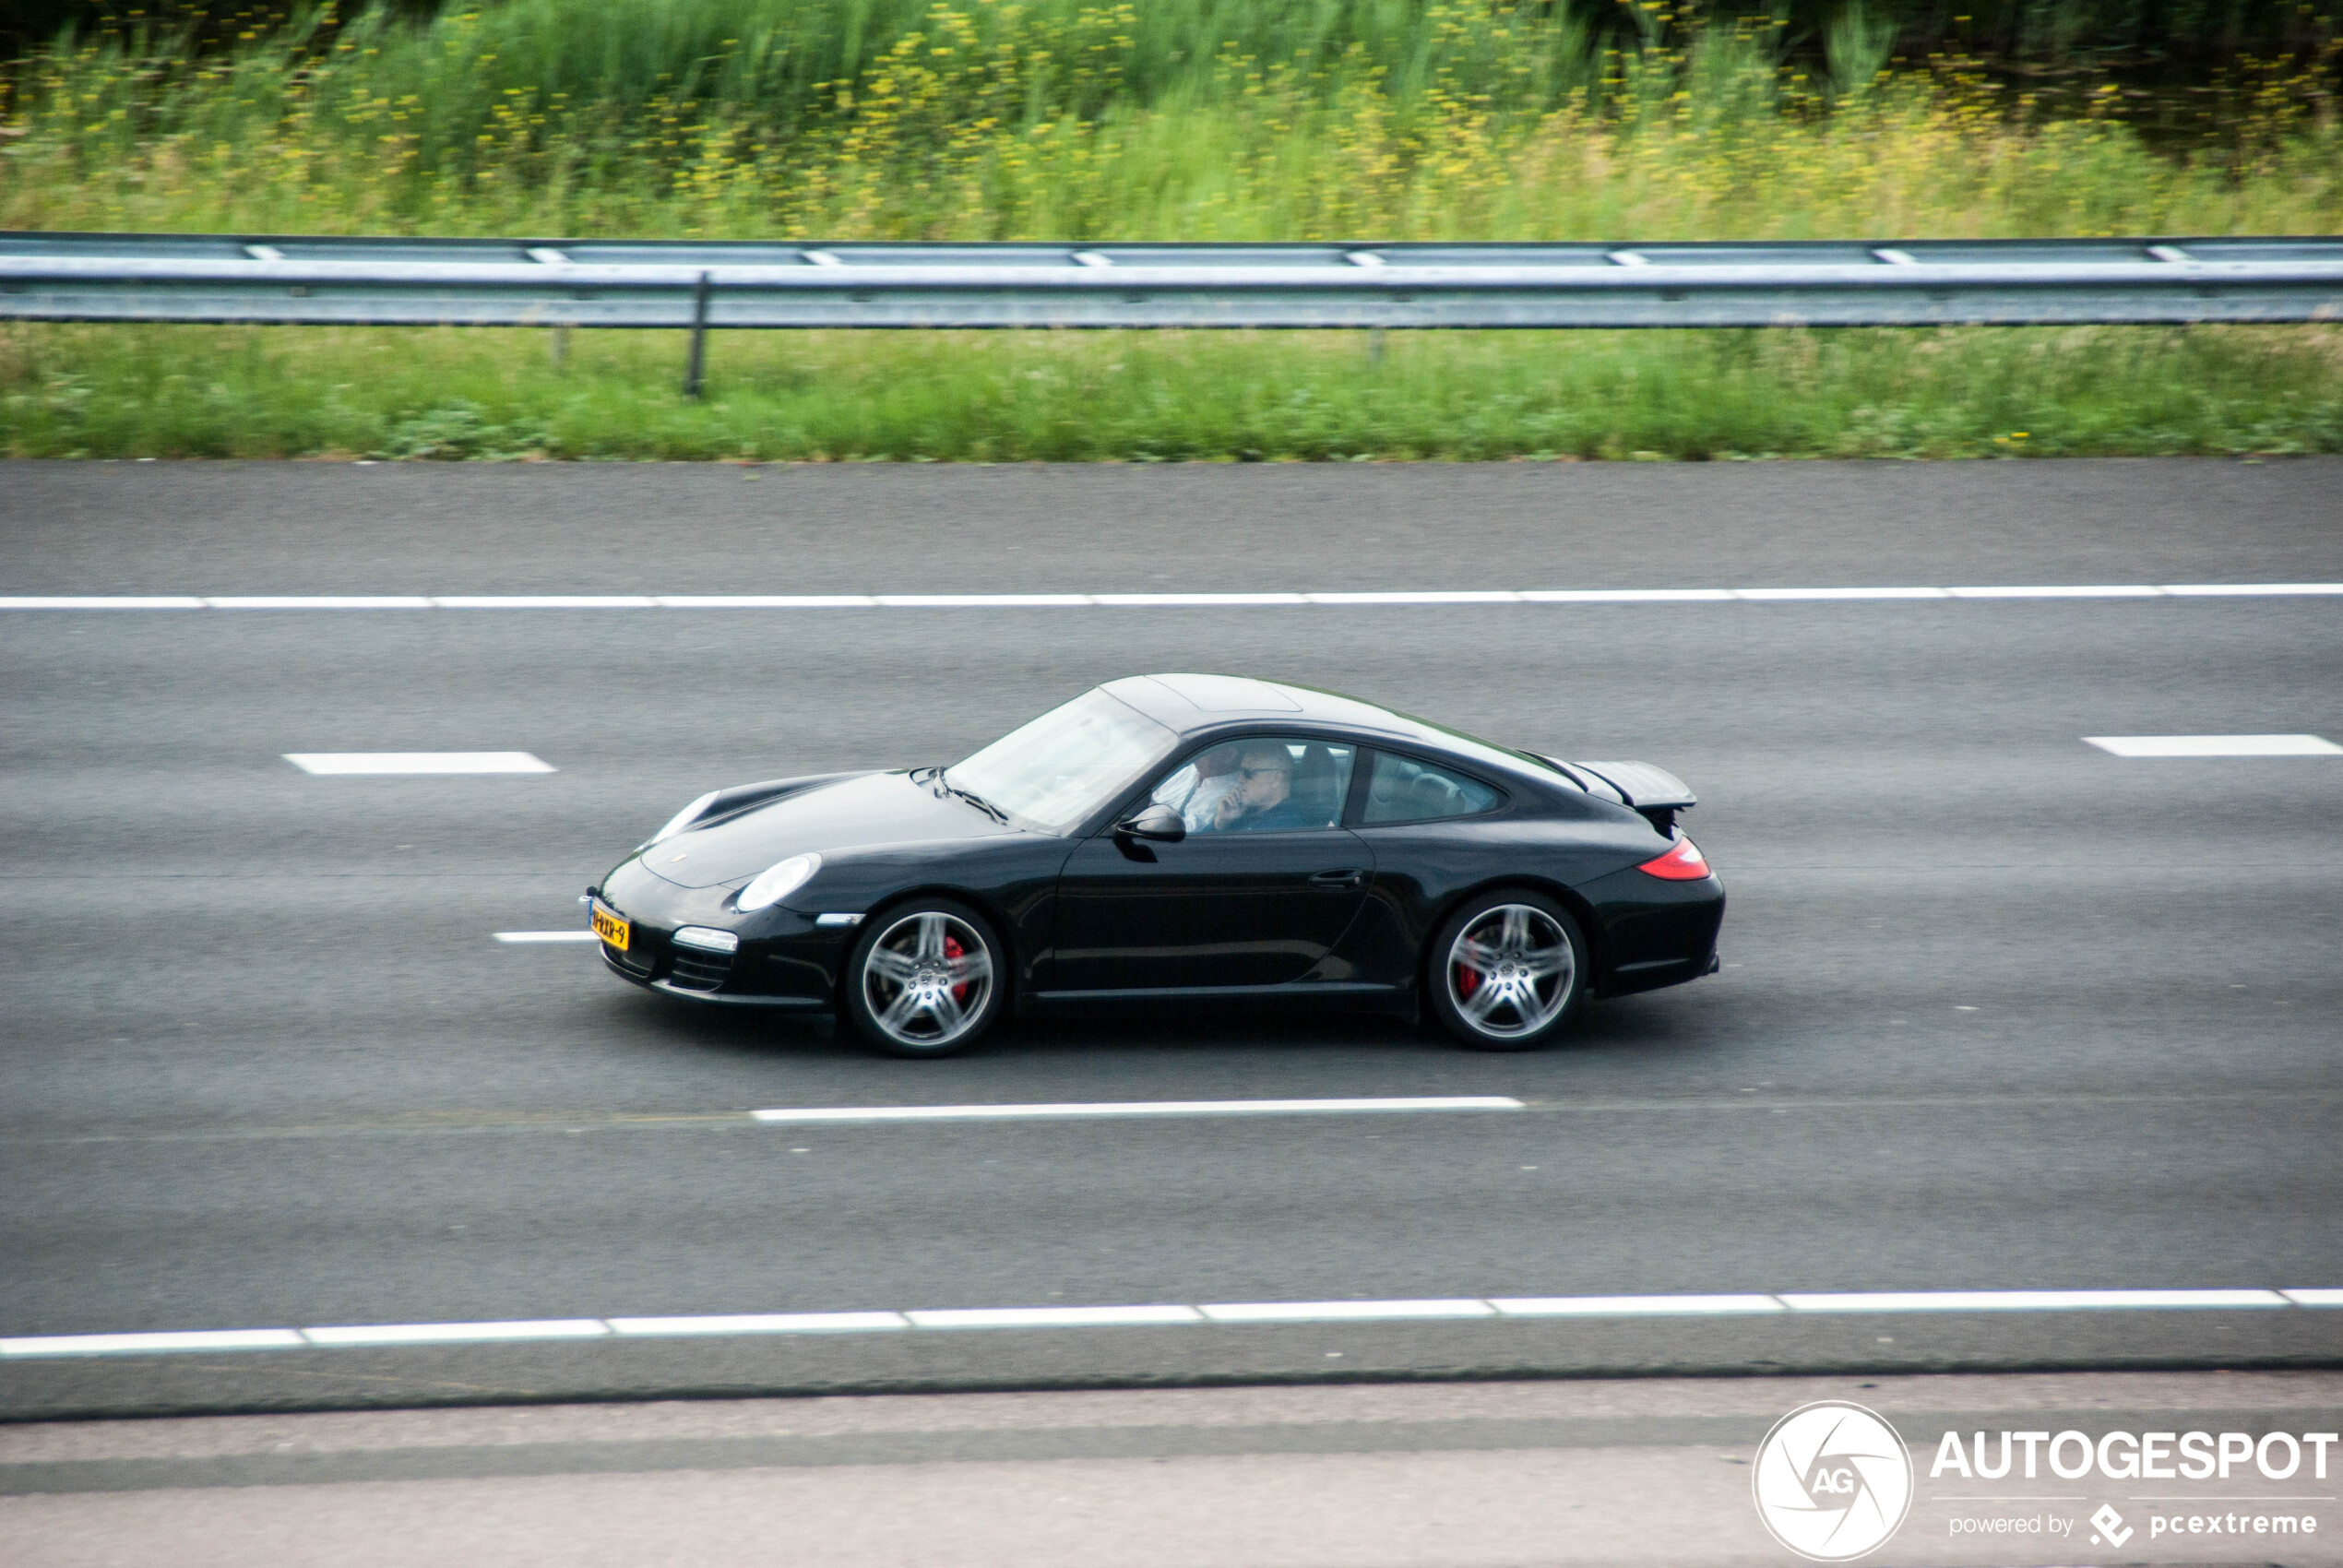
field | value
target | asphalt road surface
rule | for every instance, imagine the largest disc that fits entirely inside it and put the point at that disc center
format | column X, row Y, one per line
column 2000, row 1010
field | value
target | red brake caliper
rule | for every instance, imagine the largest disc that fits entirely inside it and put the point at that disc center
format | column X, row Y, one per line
column 1468, row 980
column 952, row 949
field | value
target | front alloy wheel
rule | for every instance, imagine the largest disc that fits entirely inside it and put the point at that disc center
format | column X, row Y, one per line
column 1509, row 970
column 924, row 982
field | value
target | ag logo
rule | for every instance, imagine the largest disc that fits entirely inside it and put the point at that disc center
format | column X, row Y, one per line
column 1832, row 1481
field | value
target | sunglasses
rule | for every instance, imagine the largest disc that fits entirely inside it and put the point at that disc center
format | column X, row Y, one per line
column 1257, row 772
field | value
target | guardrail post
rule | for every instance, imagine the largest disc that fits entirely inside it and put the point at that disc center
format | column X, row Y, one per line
column 561, row 349
column 694, row 371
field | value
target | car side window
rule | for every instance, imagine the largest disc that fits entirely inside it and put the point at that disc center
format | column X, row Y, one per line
column 1403, row 790
column 1262, row 784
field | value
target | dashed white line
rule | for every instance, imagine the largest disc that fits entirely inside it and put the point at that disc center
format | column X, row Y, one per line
column 527, row 938
column 340, row 764
column 1169, row 600
column 1163, row 1314
column 1136, row 1108
column 2214, row 745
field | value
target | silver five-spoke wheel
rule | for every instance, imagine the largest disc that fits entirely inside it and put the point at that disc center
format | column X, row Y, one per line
column 1511, row 971
column 927, row 981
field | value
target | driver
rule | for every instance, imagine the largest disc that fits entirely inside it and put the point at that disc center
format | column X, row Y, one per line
column 1263, row 800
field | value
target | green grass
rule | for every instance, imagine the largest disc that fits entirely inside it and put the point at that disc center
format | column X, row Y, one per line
column 1176, row 120
column 222, row 392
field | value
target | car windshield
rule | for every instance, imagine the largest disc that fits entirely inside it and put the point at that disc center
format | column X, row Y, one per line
column 1051, row 773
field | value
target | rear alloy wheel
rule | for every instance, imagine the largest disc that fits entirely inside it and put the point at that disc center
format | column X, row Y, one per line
column 1508, row 970
column 925, row 978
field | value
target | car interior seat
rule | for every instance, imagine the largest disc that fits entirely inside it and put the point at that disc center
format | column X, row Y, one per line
column 1317, row 785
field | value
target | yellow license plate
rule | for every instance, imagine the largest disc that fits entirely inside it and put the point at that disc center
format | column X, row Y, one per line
column 610, row 928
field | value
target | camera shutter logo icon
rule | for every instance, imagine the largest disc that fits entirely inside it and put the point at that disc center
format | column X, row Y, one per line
column 1832, row 1481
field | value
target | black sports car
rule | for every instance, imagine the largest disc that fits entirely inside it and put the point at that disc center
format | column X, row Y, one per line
column 1188, row 839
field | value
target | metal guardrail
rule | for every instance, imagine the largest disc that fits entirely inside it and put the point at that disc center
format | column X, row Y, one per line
column 65, row 277
column 698, row 285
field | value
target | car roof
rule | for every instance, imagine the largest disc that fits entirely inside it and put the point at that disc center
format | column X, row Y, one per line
column 1195, row 705
column 1189, row 702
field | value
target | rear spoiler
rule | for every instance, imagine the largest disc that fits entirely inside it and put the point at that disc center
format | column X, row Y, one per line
column 1656, row 792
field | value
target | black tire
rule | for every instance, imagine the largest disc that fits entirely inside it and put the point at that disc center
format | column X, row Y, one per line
column 1531, row 975
column 897, row 987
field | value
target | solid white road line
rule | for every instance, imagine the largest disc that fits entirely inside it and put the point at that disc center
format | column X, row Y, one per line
column 1166, row 1315
column 761, row 1322
column 527, row 937
column 322, row 601
column 138, row 1344
column 1632, row 1306
column 1156, row 600
column 1343, row 1311
column 1053, row 1317
column 455, row 1333
column 1135, row 1108
column 352, row 762
column 2215, row 745
column 2024, row 1300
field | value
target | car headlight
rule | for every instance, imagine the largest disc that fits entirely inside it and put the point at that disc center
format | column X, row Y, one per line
column 684, row 818
column 779, row 882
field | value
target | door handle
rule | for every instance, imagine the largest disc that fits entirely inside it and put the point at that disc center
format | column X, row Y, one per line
column 1337, row 881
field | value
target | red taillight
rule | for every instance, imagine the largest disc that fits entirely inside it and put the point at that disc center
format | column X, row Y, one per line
column 1683, row 863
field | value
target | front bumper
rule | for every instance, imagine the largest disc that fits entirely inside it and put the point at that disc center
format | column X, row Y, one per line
column 784, row 962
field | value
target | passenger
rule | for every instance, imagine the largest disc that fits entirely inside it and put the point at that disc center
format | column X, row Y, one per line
column 1263, row 801
column 1216, row 781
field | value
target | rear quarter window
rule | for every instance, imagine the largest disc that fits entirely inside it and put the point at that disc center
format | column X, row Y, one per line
column 1404, row 790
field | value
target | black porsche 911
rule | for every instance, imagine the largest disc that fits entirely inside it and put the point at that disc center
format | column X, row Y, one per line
column 1177, row 840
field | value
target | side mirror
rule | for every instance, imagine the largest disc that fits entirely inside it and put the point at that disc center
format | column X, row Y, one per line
column 1158, row 822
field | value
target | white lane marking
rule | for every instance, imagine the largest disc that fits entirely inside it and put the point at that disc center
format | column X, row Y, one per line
column 322, row 601
column 1435, row 596
column 1631, row 1306
column 544, row 601
column 70, row 601
column 1053, row 1317
column 1157, row 600
column 1135, row 1108
column 1183, row 600
column 143, row 1344
column 358, row 1335
column 1626, row 596
column 341, row 763
column 2215, row 745
column 523, row 938
column 1343, row 1311
column 981, row 601
column 2105, row 590
column 762, row 1323
column 2197, row 591
column 1765, row 594
column 2023, row 1301
column 457, row 1333
column 767, row 601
